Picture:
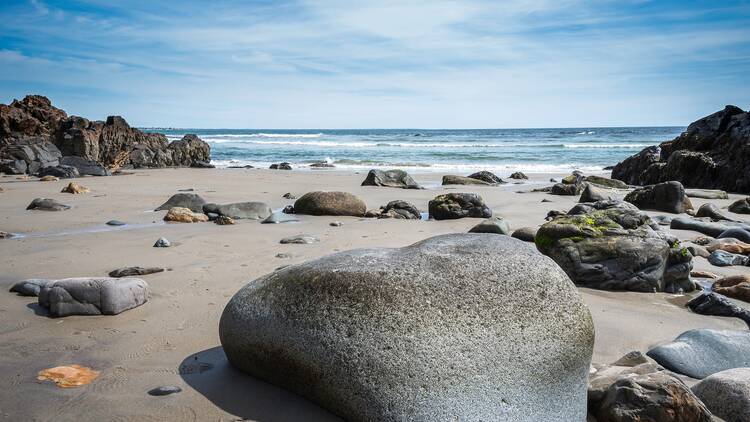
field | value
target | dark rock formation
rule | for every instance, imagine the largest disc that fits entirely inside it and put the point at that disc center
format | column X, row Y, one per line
column 191, row 201
column 400, row 210
column 451, row 206
column 46, row 204
column 487, row 176
column 741, row 206
column 281, row 166
column 713, row 153
column 518, row 176
column 391, row 179
column 667, row 196
column 718, row 305
column 526, row 234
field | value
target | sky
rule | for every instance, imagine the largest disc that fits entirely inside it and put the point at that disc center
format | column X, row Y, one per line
column 379, row 64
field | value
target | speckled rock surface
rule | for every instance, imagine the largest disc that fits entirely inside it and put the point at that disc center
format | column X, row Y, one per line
column 727, row 394
column 702, row 352
column 455, row 327
column 92, row 295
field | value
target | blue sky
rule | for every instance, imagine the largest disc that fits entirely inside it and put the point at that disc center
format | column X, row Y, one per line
column 374, row 64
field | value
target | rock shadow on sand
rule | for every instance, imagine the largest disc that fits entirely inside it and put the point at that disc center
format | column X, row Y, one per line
column 210, row 374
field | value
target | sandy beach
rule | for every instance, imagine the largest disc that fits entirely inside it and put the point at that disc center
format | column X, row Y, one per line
column 173, row 338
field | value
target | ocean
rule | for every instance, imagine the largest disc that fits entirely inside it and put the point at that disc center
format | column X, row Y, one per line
column 418, row 150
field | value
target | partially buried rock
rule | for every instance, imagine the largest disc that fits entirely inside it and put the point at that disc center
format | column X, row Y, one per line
column 401, row 210
column 162, row 242
column 289, row 209
column 741, row 207
column 727, row 394
column 63, row 172
column 487, row 176
column 223, row 220
column 191, row 201
column 46, row 204
column 711, row 211
column 184, row 215
column 279, row 217
column 30, row 287
column 726, row 259
column 452, row 206
column 738, row 233
column 706, row 193
column 416, row 344
column 164, row 391
column 717, row 305
column 391, row 179
column 526, row 234
column 92, row 296
column 74, row 188
column 280, row 166
column 240, row 210
column 735, row 286
column 68, row 376
column 702, row 352
column 463, row 180
column 495, row 225
column 49, row 179
column 667, row 196
column 335, row 224
column 518, row 176
column 6, row 235
column 593, row 194
column 301, row 239
column 132, row 271
column 330, row 203
column 116, row 223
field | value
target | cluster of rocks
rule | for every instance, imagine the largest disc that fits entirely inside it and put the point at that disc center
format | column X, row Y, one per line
column 38, row 138
column 398, row 209
column 192, row 208
column 481, row 178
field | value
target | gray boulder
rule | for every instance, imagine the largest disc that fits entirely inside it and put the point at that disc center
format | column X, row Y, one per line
column 413, row 333
column 741, row 206
column 495, row 225
column 706, row 193
column 605, row 182
column 567, row 189
column 451, row 206
column 700, row 353
column 711, row 211
column 85, row 167
column 11, row 166
column 46, row 204
column 727, row 394
column 391, row 179
column 92, row 296
column 463, row 180
column 525, row 234
column 593, row 194
column 30, row 287
column 330, row 203
column 667, row 197
column 487, row 176
column 400, row 210
column 191, row 201
column 738, row 233
column 727, row 259
column 61, row 171
column 239, row 210
column 518, row 176
column 706, row 227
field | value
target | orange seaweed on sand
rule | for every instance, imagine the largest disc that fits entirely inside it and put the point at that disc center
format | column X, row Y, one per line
column 68, row 376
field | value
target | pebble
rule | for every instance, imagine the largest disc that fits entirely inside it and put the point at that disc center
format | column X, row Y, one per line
column 336, row 224
column 116, row 223
column 165, row 390
column 162, row 243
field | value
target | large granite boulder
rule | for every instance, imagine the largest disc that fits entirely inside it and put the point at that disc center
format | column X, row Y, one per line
column 451, row 206
column 439, row 330
column 240, row 210
column 611, row 245
column 330, row 203
column 92, row 295
column 391, row 179
column 713, row 153
column 727, row 394
column 667, row 196
column 191, row 201
column 702, row 352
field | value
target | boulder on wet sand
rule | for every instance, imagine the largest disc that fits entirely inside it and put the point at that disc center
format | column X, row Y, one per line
column 655, row 396
column 184, row 215
column 451, row 206
column 739, row 233
column 74, row 188
column 726, row 394
column 726, row 259
column 487, row 176
column 741, row 206
column 92, row 295
column 46, row 204
column 116, row 223
column 717, row 305
column 611, row 245
column 401, row 210
column 30, row 287
column 518, row 176
column 240, row 210
column 667, row 197
column 463, row 180
column 281, row 166
column 702, row 352
column 495, row 225
column 526, row 234
column 191, row 201
column 278, row 218
column 330, row 203
column 390, row 179
column 735, row 286
column 605, row 182
column 300, row 239
column 592, row 194
column 711, row 211
column 706, row 193
column 438, row 317
column 567, row 189
column 132, row 271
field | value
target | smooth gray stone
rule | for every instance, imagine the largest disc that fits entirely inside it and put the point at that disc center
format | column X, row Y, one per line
column 330, row 203
column 131, row 271
column 162, row 242
column 30, row 287
column 302, row 239
column 191, row 201
column 389, row 178
column 711, row 211
column 92, row 295
column 706, row 227
column 726, row 259
column 240, row 210
column 726, row 394
column 706, row 193
column 736, row 233
column 116, row 223
column 165, row 390
column 46, row 204
column 279, row 217
column 592, row 193
column 496, row 225
column 455, row 327
column 667, row 197
column 525, row 234
column 702, row 352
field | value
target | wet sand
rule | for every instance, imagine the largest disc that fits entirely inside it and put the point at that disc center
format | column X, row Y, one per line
column 173, row 339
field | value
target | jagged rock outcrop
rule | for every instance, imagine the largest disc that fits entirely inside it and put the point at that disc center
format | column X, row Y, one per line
column 713, row 153
column 35, row 135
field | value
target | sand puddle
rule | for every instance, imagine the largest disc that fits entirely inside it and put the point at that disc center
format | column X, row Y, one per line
column 86, row 230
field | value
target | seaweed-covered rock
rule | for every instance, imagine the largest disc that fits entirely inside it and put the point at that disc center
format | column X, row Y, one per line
column 610, row 245
column 605, row 182
column 391, row 179
column 451, row 206
column 439, row 330
column 667, row 196
column 330, row 203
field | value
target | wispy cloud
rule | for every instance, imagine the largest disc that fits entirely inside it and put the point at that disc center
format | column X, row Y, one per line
column 439, row 63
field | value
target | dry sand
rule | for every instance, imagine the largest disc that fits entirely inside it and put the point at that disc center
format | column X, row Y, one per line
column 173, row 339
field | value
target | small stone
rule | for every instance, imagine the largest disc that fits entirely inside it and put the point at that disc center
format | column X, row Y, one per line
column 74, row 188
column 289, row 209
column 165, row 390
column 6, row 235
column 288, row 195
column 162, row 243
column 223, row 220
column 335, row 224
column 49, row 179
column 116, row 223
column 184, row 215
column 283, row 255
column 302, row 239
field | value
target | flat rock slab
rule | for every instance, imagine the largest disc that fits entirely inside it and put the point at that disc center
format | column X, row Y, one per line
column 92, row 296
column 302, row 239
column 700, row 353
column 30, row 287
column 133, row 271
column 706, row 193
column 240, row 210
column 46, row 204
